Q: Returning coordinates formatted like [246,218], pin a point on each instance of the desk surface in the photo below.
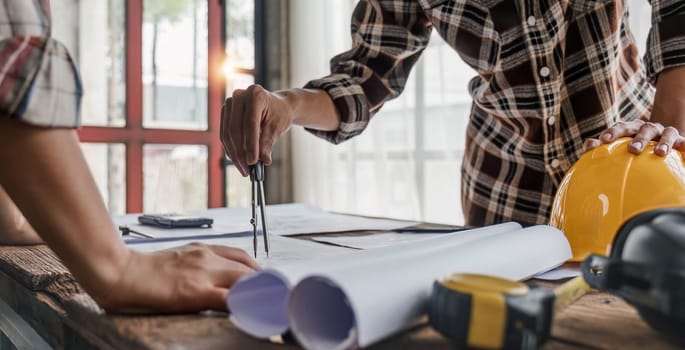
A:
[40,289]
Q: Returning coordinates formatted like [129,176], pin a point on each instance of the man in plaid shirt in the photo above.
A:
[555,78]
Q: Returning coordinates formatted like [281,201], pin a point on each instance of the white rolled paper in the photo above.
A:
[354,307]
[258,302]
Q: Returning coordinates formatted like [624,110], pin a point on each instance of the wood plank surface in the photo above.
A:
[40,289]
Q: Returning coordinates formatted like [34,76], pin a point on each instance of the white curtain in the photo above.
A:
[407,163]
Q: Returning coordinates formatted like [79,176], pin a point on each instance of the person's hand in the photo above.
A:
[190,278]
[642,132]
[668,110]
[251,122]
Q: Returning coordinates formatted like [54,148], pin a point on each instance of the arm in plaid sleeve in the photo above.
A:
[388,37]
[39,82]
[666,42]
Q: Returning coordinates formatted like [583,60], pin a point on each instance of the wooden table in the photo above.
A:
[38,287]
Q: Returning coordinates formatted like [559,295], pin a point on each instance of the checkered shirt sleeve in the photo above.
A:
[39,82]
[550,74]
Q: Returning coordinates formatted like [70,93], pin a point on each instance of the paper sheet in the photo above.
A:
[258,301]
[282,251]
[282,219]
[298,218]
[558,274]
[376,240]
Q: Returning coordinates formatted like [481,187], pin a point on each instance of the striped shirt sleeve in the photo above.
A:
[666,41]
[387,40]
[39,82]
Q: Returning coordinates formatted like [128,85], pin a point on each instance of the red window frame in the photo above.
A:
[134,136]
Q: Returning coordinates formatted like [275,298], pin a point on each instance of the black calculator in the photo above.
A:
[175,221]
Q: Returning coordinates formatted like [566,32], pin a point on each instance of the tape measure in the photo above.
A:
[495,313]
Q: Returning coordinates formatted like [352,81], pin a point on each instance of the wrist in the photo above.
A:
[98,266]
[288,101]
[669,100]
[107,283]
[312,108]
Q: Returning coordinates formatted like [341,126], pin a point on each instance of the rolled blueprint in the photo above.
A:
[355,307]
[258,302]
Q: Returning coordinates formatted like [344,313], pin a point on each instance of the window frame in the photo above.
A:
[227,163]
[134,136]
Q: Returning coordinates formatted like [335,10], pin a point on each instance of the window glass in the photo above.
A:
[99,53]
[174,178]
[442,191]
[238,189]
[238,70]
[237,81]
[240,48]
[640,22]
[175,56]
[107,163]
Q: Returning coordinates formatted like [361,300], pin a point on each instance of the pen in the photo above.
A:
[125,230]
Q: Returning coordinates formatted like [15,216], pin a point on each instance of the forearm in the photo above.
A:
[669,101]
[45,174]
[312,108]
[14,229]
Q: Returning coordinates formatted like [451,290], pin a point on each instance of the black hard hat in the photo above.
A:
[647,269]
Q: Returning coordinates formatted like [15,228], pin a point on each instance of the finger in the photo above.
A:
[235,254]
[226,273]
[620,129]
[215,299]
[224,130]
[668,137]
[679,144]
[252,122]
[647,132]
[236,131]
[222,120]
[266,143]
[591,144]
[265,150]
[223,126]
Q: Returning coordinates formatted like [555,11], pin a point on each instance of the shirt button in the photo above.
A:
[531,21]
[555,163]
[544,72]
[551,121]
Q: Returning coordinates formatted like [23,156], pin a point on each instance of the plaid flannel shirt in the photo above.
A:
[551,73]
[39,83]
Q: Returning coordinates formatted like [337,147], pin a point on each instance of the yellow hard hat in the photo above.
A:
[608,186]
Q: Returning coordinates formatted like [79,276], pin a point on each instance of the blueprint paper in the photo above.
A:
[282,219]
[298,218]
[376,240]
[283,250]
[258,301]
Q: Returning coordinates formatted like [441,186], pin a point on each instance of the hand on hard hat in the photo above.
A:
[609,185]
[642,132]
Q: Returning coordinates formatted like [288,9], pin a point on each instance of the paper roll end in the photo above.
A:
[258,304]
[312,302]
